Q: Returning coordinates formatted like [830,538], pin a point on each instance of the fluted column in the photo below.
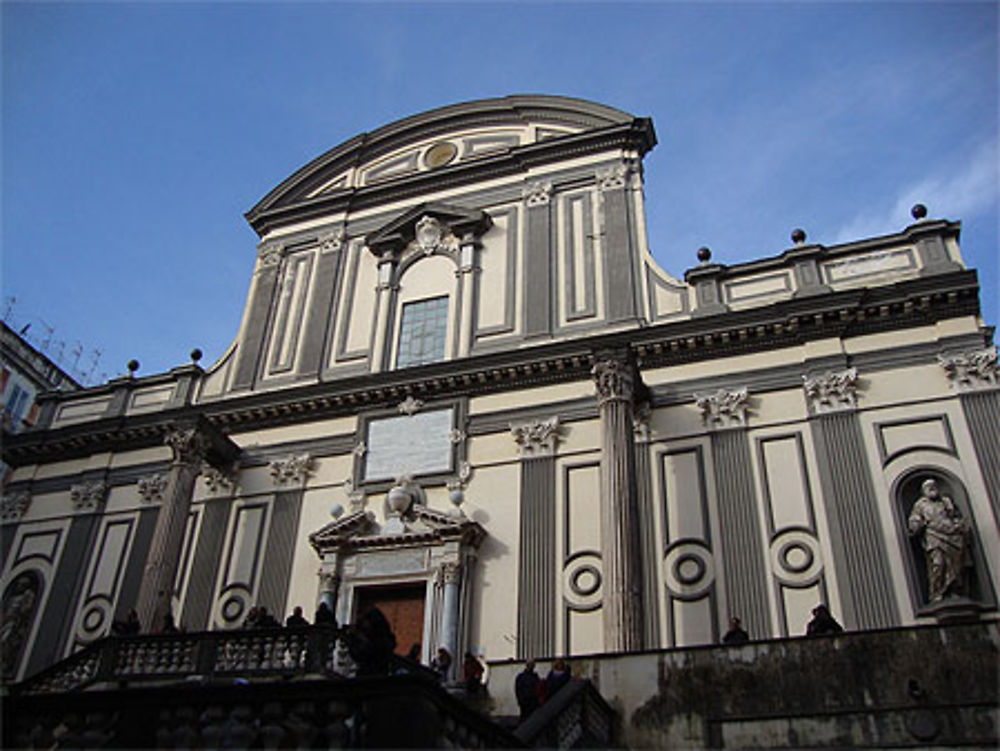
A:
[190,447]
[620,542]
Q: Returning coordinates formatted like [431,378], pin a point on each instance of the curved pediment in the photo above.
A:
[441,139]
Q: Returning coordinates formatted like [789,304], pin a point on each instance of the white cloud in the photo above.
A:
[962,193]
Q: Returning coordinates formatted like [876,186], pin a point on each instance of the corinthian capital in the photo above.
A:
[14,506]
[724,408]
[614,379]
[190,445]
[971,371]
[88,496]
[832,391]
[537,438]
[537,194]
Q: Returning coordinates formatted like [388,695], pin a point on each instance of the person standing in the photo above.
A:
[736,634]
[526,690]
[822,622]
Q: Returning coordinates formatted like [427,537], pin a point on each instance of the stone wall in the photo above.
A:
[934,685]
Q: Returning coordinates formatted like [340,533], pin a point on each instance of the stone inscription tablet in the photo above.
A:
[418,445]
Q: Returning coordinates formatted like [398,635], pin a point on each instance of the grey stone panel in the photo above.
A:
[538,272]
[866,592]
[279,552]
[57,620]
[743,555]
[648,551]
[250,349]
[128,596]
[982,412]
[205,566]
[289,319]
[536,597]
[572,307]
[934,256]
[619,283]
[320,313]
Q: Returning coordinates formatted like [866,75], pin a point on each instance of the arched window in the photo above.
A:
[422,332]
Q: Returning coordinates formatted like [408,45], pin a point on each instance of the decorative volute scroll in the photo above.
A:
[537,194]
[152,487]
[538,437]
[295,468]
[88,496]
[832,391]
[14,506]
[724,409]
[973,370]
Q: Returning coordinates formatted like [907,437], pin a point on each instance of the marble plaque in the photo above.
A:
[396,562]
[417,445]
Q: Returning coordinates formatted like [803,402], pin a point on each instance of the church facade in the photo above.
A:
[462,390]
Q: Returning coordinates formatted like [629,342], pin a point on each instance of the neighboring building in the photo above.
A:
[25,374]
[532,441]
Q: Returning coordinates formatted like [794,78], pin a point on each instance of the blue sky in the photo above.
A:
[135,135]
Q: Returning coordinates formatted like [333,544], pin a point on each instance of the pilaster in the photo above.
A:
[863,578]
[726,414]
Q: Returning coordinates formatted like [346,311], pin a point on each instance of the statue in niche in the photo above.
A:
[18,613]
[945,536]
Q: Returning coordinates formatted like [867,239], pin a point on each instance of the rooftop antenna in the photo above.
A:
[95,355]
[48,339]
[9,302]
[75,353]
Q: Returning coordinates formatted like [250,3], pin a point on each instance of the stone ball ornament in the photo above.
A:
[132,365]
[336,510]
[704,254]
[919,211]
[798,236]
[196,355]
[399,498]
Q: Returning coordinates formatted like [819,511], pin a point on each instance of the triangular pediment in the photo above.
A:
[420,526]
[395,235]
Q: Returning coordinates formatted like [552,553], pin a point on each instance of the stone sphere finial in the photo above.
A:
[704,254]
[457,497]
[919,211]
[798,236]
[133,365]
[336,510]
[195,355]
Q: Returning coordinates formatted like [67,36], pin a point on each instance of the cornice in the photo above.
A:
[916,302]
[637,134]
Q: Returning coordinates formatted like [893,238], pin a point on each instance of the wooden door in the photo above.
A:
[403,607]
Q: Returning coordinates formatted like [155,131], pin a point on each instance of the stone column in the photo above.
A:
[190,447]
[451,573]
[614,376]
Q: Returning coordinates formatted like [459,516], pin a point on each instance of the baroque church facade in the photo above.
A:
[463,390]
